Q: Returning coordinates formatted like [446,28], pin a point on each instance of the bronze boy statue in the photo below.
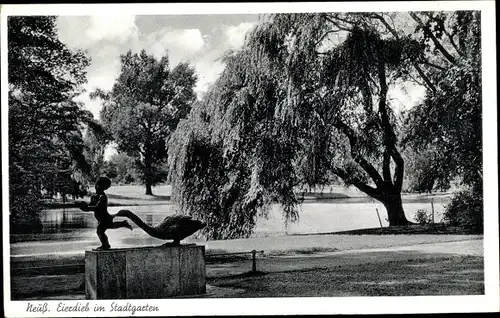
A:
[99,204]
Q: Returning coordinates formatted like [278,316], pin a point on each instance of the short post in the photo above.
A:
[379,221]
[254,263]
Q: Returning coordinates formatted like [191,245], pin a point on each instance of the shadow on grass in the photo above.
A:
[432,276]
[244,275]
[367,274]
[148,198]
[305,251]
[436,228]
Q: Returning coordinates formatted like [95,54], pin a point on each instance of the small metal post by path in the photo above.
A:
[379,221]
[254,263]
[432,208]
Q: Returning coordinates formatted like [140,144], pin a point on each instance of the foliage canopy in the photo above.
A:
[45,122]
[307,98]
[144,107]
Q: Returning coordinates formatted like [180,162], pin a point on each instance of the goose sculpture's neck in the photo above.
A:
[137,220]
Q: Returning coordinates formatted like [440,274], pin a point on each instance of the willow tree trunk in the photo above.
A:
[391,199]
[395,212]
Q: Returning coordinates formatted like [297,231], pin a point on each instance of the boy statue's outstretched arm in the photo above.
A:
[83,206]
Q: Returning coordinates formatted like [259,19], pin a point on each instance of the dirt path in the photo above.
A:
[274,244]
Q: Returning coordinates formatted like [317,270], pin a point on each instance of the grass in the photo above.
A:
[130,195]
[395,276]
[435,228]
[43,286]
[299,272]
[436,276]
[122,195]
[303,251]
[214,258]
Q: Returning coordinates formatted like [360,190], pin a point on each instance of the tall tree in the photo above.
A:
[213,161]
[306,97]
[45,140]
[144,107]
[427,170]
[449,119]
[123,167]
[293,108]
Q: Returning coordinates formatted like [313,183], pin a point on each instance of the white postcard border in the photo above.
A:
[268,306]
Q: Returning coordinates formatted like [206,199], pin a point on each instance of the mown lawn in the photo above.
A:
[134,194]
[455,275]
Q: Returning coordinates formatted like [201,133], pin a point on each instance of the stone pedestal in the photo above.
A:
[146,272]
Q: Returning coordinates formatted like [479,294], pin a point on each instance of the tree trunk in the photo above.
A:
[148,168]
[149,190]
[394,206]
[148,176]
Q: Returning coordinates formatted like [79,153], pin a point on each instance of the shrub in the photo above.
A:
[24,214]
[422,217]
[25,201]
[26,224]
[466,211]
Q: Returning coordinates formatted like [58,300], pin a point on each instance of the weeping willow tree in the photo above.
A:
[307,97]
[221,154]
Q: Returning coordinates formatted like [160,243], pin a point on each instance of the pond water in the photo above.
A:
[315,217]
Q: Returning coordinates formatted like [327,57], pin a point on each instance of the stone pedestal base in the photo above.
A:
[146,272]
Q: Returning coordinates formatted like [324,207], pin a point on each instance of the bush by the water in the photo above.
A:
[28,224]
[466,211]
[422,217]
[24,205]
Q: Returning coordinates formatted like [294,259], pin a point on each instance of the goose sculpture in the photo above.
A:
[174,227]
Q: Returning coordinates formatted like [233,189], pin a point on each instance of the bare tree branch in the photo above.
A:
[415,80]
[373,192]
[450,38]
[386,166]
[337,24]
[441,68]
[325,35]
[350,134]
[424,77]
[399,171]
[431,35]
[366,93]
[389,135]
[448,35]
[336,16]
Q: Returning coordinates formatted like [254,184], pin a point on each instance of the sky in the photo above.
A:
[198,39]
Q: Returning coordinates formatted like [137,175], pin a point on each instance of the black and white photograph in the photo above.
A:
[249,159]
